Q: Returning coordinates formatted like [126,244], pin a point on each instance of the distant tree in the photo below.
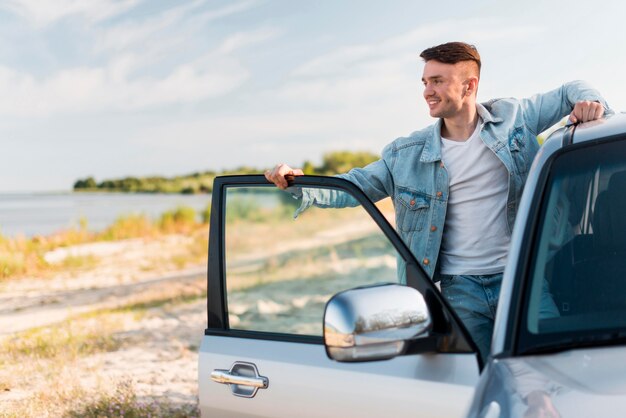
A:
[308,168]
[106,184]
[88,183]
[201,182]
[342,161]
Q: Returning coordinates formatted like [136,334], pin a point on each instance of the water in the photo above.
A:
[45,213]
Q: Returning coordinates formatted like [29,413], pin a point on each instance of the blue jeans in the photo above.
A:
[474,299]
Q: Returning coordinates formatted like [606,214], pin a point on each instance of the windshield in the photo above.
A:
[577,290]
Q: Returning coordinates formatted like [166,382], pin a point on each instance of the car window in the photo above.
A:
[281,270]
[577,283]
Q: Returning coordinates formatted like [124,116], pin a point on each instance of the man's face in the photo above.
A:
[445,88]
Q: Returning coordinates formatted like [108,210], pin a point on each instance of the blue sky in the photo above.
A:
[111,88]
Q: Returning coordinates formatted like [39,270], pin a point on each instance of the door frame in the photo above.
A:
[448,334]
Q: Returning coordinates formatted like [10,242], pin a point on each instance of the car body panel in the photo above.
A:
[601,128]
[576,383]
[303,382]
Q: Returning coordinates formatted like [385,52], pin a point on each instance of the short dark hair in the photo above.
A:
[451,53]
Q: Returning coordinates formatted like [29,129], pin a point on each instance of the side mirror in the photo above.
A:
[374,323]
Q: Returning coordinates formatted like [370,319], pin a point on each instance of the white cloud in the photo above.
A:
[179,22]
[132,34]
[239,7]
[348,58]
[94,89]
[355,97]
[246,39]
[43,13]
[144,64]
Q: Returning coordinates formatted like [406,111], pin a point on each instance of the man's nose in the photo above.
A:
[428,91]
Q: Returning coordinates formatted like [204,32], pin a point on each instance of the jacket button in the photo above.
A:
[439,194]
[425,261]
[412,202]
[433,228]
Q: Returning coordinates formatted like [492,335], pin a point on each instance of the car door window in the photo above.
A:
[578,275]
[280,270]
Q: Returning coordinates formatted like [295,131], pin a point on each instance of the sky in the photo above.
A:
[114,88]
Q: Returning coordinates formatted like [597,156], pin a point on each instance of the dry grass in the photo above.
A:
[125,403]
[21,256]
[72,401]
[39,367]
[62,342]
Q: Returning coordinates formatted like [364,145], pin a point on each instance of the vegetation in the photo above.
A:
[339,162]
[125,403]
[67,339]
[43,362]
[202,182]
[21,256]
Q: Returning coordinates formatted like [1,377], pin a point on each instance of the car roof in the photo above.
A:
[602,128]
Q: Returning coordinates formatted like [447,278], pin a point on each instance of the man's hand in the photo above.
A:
[585,111]
[540,406]
[278,173]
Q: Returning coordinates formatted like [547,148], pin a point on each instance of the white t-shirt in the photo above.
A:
[476,237]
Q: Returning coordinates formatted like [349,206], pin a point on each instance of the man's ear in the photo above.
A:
[472,85]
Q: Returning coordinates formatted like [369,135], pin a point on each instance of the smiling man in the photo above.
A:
[456,184]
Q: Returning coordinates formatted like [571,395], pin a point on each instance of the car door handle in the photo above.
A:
[243,378]
[224,376]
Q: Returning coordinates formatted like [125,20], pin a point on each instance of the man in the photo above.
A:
[464,176]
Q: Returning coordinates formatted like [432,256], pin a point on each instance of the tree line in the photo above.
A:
[202,182]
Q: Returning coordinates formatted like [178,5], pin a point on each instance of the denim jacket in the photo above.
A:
[412,173]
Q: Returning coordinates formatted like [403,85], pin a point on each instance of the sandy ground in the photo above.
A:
[158,350]
[120,275]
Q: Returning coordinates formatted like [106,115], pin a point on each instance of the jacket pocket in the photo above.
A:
[411,209]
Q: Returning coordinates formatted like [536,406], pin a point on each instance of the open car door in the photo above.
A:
[269,277]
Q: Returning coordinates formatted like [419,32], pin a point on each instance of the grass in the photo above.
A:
[90,332]
[64,341]
[79,262]
[71,401]
[123,402]
[21,256]
[139,306]
[43,362]
[248,223]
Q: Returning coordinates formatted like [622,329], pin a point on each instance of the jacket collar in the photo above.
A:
[432,147]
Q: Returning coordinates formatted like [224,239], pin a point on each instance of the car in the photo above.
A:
[328,314]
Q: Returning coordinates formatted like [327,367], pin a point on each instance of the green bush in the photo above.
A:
[206,214]
[342,161]
[129,226]
[178,219]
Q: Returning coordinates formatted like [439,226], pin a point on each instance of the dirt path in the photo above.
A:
[42,307]
[149,312]
[120,277]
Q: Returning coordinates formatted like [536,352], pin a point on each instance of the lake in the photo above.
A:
[44,213]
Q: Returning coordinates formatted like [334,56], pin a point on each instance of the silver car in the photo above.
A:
[330,315]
